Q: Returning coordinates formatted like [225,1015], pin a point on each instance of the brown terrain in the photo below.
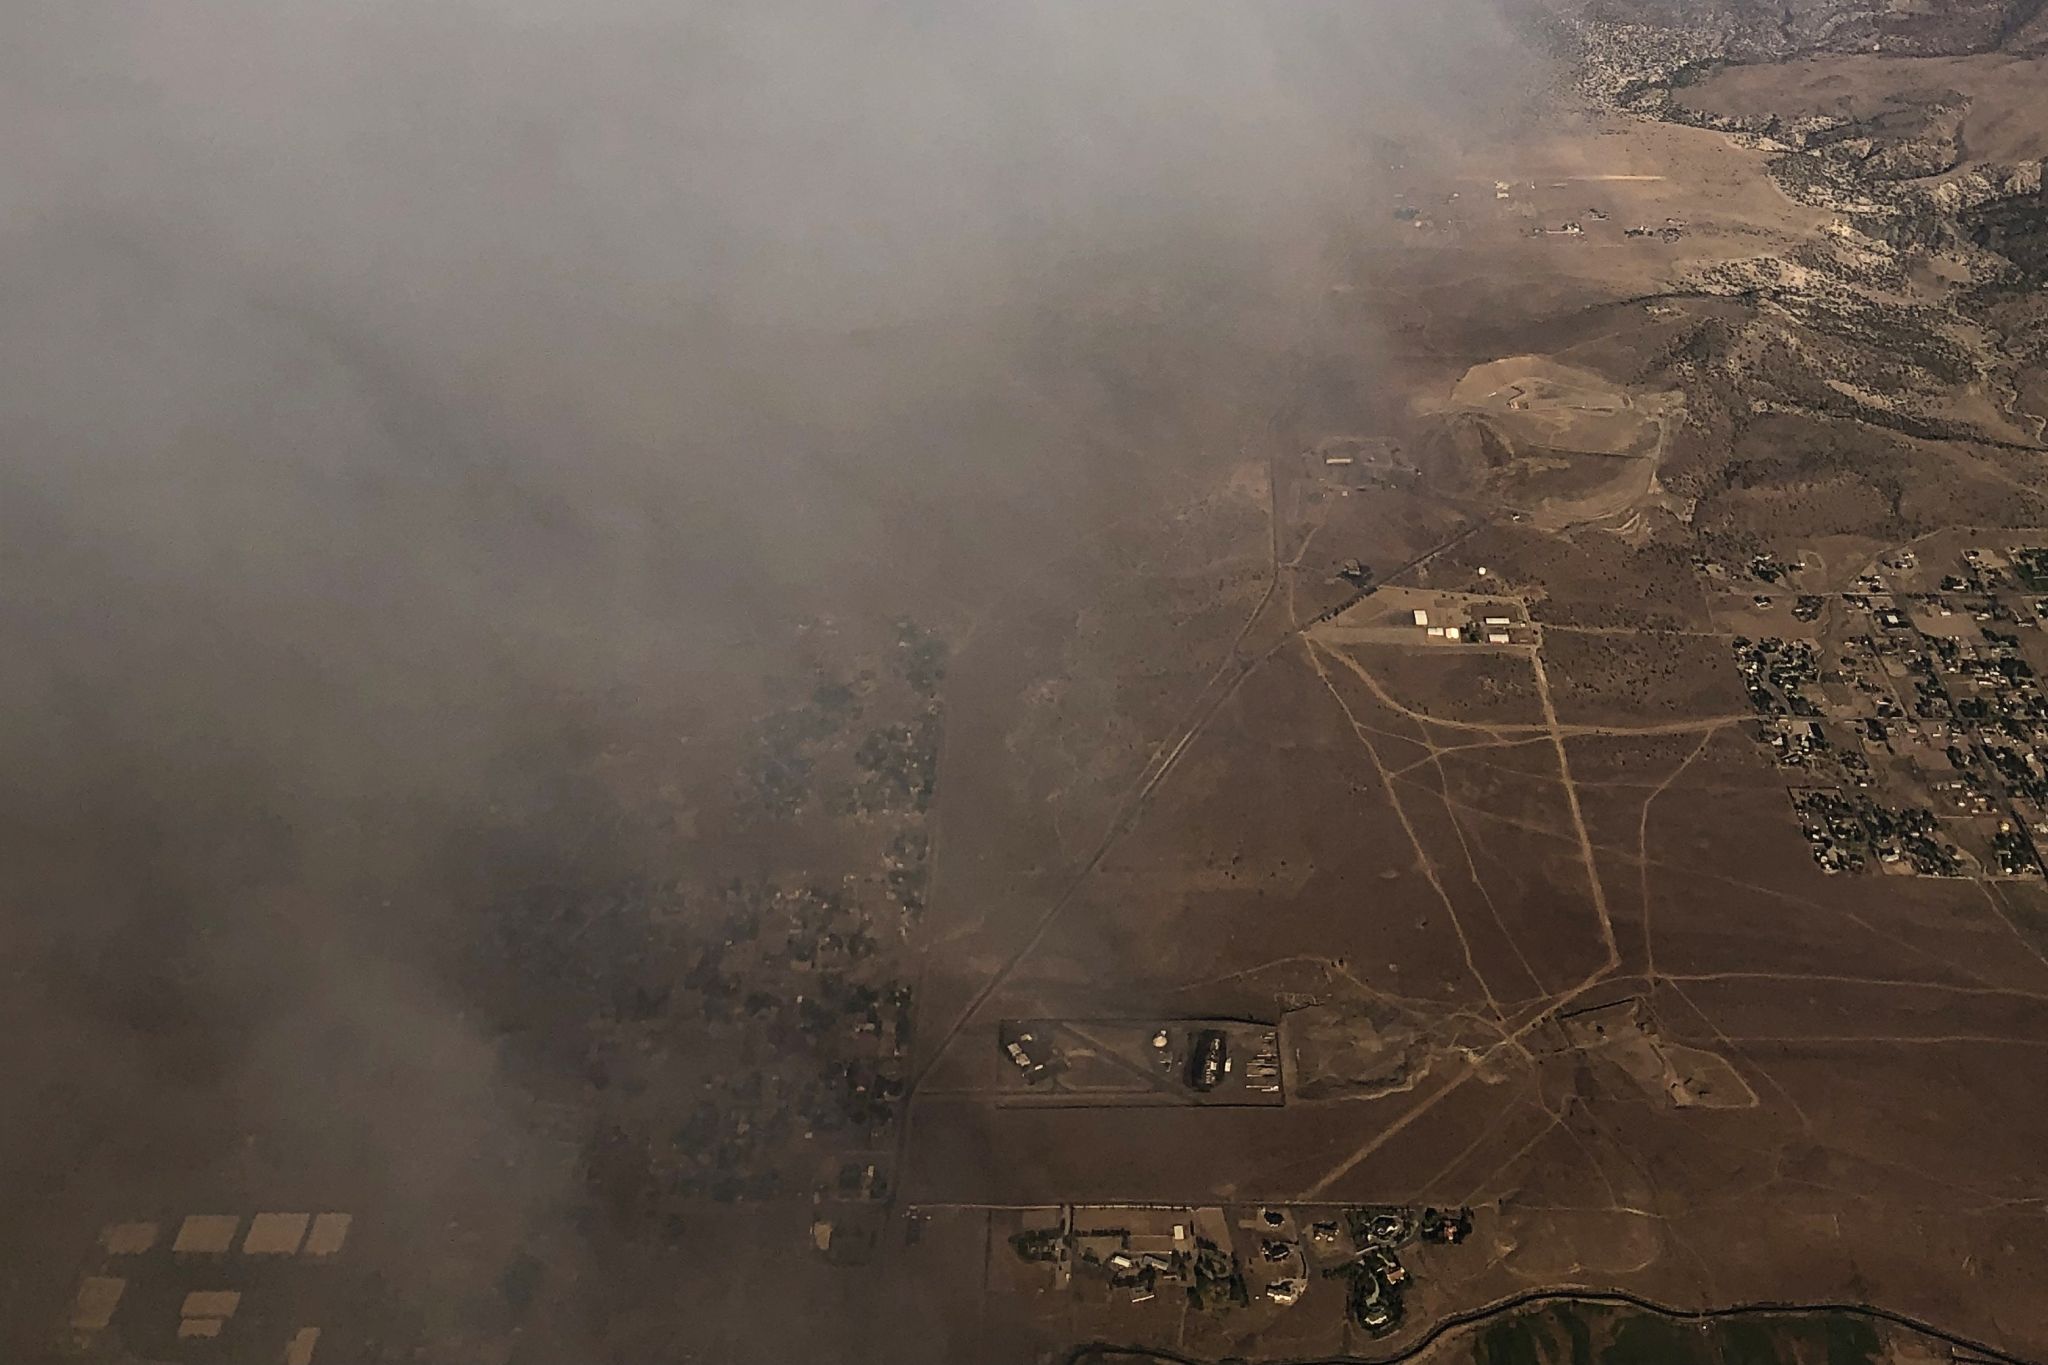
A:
[1085,689]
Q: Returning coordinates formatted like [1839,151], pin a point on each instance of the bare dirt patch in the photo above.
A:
[1560,444]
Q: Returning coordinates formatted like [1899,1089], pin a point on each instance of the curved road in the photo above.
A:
[1101,1353]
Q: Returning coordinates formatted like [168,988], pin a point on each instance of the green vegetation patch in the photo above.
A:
[1594,1334]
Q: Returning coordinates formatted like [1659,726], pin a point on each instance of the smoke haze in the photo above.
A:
[392,392]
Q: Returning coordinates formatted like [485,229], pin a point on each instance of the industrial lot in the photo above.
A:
[1198,1061]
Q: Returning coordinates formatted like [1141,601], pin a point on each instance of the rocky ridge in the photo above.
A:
[1916,311]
